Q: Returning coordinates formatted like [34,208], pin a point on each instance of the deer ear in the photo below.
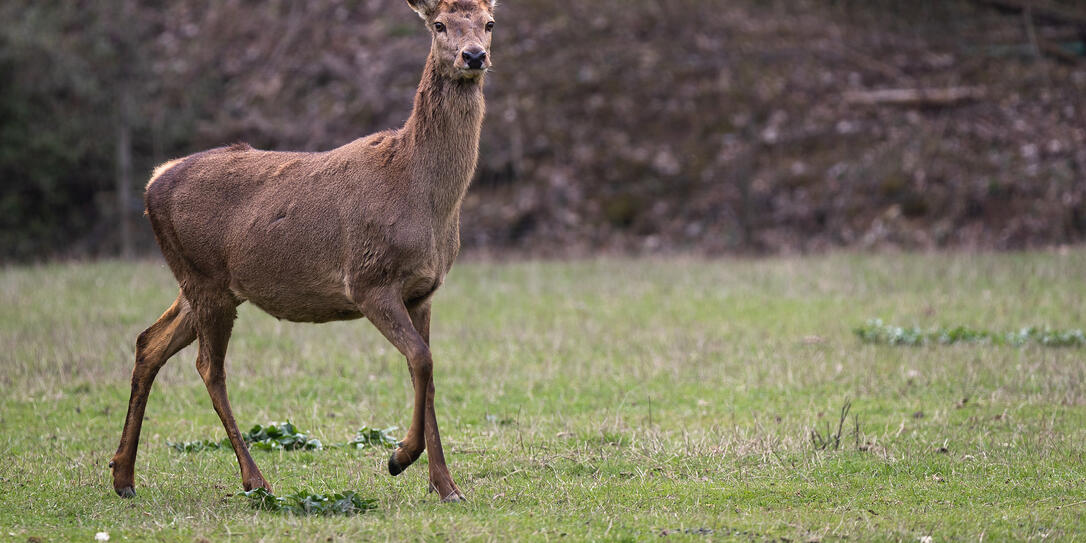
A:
[423,7]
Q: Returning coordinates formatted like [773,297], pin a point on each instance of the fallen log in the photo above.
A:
[916,97]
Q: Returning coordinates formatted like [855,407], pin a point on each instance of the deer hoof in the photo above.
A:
[126,492]
[453,497]
[257,483]
[394,467]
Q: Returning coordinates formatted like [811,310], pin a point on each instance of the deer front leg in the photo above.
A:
[441,480]
[409,332]
[412,446]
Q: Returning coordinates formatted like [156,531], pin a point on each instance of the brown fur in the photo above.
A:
[369,229]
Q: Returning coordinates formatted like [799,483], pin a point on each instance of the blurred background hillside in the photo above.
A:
[740,126]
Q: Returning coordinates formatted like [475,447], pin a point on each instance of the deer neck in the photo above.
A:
[443,131]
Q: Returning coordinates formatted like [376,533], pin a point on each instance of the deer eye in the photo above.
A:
[490,26]
[440,27]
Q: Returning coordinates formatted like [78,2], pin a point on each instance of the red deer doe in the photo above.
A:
[366,230]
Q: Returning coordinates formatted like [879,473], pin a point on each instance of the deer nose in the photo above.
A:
[474,58]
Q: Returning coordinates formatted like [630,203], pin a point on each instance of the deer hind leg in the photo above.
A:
[214,323]
[173,331]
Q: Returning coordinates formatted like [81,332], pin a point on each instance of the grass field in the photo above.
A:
[602,400]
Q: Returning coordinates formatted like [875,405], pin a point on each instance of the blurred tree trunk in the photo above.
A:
[124,39]
[124,168]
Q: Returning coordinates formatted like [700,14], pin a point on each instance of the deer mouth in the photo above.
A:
[472,73]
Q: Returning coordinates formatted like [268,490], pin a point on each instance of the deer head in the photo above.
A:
[461,32]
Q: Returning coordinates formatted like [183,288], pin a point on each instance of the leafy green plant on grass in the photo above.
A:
[285,436]
[198,445]
[876,332]
[304,503]
[375,437]
[276,436]
[272,437]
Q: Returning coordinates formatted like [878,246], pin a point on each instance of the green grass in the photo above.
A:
[601,400]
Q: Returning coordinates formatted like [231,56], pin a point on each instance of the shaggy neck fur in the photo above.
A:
[443,133]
